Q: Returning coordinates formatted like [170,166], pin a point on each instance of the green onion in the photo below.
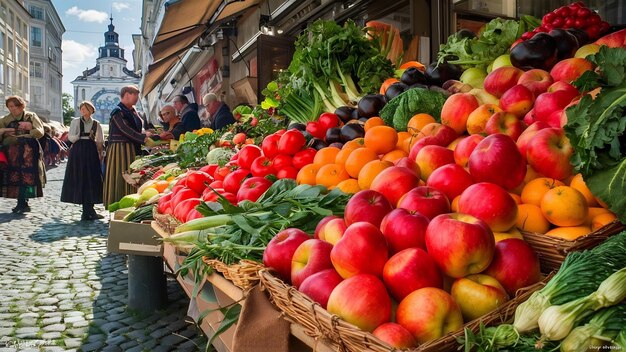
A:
[580,274]
[605,324]
[556,322]
[620,340]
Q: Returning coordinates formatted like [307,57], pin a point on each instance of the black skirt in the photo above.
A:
[83,175]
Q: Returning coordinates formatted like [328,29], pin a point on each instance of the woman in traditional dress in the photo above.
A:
[124,143]
[83,175]
[24,177]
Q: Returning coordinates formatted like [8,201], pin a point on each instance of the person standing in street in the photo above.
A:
[219,111]
[83,175]
[124,143]
[188,116]
[24,177]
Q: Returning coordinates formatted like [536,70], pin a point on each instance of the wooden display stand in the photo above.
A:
[226,294]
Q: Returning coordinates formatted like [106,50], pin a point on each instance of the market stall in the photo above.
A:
[375,204]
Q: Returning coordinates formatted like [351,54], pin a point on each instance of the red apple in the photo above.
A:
[320,285]
[549,102]
[394,182]
[456,109]
[477,120]
[514,265]
[320,225]
[410,270]
[451,179]
[361,300]
[403,229]
[490,203]
[425,200]
[395,335]
[431,157]
[478,295]
[571,91]
[367,205]
[312,256]
[501,79]
[361,250]
[527,135]
[460,244]
[569,70]
[438,135]
[333,231]
[537,80]
[518,100]
[549,153]
[505,123]
[465,147]
[429,313]
[409,164]
[496,159]
[530,117]
[280,250]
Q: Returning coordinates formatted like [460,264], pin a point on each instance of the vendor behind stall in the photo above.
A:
[172,125]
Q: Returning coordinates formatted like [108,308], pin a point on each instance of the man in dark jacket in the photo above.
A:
[219,112]
[189,116]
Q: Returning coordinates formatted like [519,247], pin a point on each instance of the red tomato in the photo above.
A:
[254,121]
[252,188]
[221,172]
[210,195]
[197,181]
[328,120]
[247,154]
[182,209]
[287,172]
[316,129]
[262,166]
[231,198]
[280,132]
[209,169]
[270,145]
[233,180]
[164,204]
[303,157]
[281,160]
[239,138]
[216,184]
[183,194]
[291,142]
[177,187]
[193,214]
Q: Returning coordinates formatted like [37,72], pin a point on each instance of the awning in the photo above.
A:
[156,73]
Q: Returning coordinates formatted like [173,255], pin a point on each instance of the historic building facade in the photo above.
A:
[102,83]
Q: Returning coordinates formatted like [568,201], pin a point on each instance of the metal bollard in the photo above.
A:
[147,286]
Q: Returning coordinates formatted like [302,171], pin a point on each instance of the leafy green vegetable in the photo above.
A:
[493,41]
[242,110]
[399,110]
[597,129]
[219,156]
[195,148]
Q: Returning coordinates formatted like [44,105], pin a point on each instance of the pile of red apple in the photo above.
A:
[441,268]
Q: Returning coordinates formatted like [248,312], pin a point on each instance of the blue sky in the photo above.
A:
[85,23]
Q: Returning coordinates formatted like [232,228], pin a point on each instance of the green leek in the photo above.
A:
[556,322]
[605,325]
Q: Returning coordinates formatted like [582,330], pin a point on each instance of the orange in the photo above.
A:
[564,206]
[395,155]
[330,175]
[326,156]
[595,211]
[370,171]
[357,159]
[417,122]
[343,154]
[349,186]
[601,220]
[531,219]
[355,143]
[161,185]
[569,233]
[381,139]
[373,121]
[307,174]
[404,140]
[534,190]
[579,184]
[386,84]
[418,65]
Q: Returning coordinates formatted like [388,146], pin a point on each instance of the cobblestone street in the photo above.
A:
[61,291]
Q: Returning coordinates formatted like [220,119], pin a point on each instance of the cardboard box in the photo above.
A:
[132,238]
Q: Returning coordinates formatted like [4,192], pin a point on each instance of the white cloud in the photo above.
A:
[88,15]
[78,55]
[119,6]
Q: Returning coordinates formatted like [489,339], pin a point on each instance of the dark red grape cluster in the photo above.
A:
[574,15]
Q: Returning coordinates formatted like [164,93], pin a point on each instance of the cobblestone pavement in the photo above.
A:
[61,291]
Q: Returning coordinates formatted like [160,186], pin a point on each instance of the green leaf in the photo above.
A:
[231,316]
[609,185]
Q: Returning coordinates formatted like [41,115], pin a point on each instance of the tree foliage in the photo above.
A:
[68,108]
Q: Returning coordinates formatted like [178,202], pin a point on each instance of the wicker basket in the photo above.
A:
[165,221]
[342,336]
[244,275]
[553,250]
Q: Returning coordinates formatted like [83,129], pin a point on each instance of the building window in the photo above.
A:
[10,48]
[36,70]
[10,80]
[35,36]
[1,42]
[38,95]
[83,94]
[36,12]
[1,74]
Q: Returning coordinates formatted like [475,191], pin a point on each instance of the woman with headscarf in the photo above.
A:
[24,177]
[83,177]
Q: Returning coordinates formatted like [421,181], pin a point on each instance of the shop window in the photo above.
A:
[273,55]
[36,70]
[35,36]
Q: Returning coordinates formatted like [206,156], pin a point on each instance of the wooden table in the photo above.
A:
[226,294]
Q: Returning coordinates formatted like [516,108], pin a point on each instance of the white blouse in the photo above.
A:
[74,132]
